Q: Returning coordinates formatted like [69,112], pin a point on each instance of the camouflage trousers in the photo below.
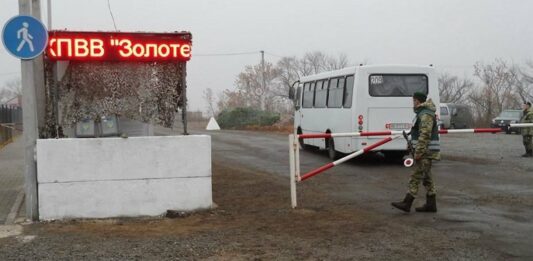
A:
[422,173]
[528,143]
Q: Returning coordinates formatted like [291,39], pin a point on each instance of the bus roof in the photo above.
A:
[453,104]
[353,69]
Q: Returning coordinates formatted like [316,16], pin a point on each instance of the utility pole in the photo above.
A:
[30,132]
[38,74]
[184,97]
[49,14]
[53,88]
[263,76]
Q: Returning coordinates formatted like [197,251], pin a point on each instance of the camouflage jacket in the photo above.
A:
[425,132]
[527,118]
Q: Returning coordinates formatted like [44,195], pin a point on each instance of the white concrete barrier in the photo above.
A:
[113,177]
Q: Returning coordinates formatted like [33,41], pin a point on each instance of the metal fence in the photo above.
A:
[10,114]
[10,122]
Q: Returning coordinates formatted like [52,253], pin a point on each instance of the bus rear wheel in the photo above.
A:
[332,153]
[395,156]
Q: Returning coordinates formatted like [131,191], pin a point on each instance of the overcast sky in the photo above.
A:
[451,34]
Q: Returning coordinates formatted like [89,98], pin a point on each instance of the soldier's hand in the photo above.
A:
[418,157]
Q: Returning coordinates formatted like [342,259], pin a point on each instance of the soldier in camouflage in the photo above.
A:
[527,133]
[425,139]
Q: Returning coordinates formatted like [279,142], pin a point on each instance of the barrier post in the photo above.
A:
[292,172]
[297,157]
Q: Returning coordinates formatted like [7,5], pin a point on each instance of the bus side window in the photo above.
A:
[336,87]
[312,89]
[348,92]
[299,96]
[321,94]
[307,96]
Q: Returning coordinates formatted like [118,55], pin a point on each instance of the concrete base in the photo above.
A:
[101,199]
[115,177]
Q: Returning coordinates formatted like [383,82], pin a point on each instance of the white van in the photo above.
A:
[455,116]
[361,98]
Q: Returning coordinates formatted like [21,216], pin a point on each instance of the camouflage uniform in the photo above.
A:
[527,133]
[425,138]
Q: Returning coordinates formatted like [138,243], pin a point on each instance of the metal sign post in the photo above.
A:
[26,38]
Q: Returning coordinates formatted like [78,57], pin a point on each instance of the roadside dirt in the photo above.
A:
[254,221]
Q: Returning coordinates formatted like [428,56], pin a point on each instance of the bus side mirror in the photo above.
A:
[292,90]
[291,93]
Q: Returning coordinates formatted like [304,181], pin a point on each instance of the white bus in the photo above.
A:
[361,98]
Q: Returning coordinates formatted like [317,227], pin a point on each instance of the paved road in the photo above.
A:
[11,176]
[485,190]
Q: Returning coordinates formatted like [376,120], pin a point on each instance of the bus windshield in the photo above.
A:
[397,85]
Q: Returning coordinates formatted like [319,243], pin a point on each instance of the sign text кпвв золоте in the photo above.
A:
[97,46]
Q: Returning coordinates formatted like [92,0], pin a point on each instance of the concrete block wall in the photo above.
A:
[115,177]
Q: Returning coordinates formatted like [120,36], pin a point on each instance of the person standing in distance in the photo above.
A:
[527,133]
[425,139]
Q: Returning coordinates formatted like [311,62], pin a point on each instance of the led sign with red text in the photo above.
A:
[104,46]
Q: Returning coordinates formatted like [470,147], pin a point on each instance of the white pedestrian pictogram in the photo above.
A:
[26,37]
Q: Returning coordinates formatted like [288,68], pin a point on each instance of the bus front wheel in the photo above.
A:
[301,141]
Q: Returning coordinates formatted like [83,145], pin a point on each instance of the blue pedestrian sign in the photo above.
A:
[24,37]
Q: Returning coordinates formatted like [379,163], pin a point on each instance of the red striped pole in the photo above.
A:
[521,125]
[317,171]
[349,134]
[481,130]
[349,157]
[388,133]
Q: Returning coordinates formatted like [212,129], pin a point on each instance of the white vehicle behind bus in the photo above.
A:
[455,116]
[361,98]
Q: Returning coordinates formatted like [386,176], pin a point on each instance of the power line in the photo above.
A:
[237,54]
[111,13]
[9,73]
[275,55]
[228,54]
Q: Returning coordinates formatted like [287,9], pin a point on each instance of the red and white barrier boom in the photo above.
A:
[521,125]
[294,149]
[389,133]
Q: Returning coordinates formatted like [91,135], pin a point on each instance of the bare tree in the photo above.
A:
[340,62]
[292,68]
[15,86]
[249,83]
[10,90]
[231,99]
[250,91]
[316,61]
[524,81]
[452,89]
[210,100]
[498,90]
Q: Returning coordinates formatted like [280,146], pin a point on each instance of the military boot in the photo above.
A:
[430,206]
[404,205]
[529,153]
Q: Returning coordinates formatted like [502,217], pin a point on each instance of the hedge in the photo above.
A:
[242,117]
